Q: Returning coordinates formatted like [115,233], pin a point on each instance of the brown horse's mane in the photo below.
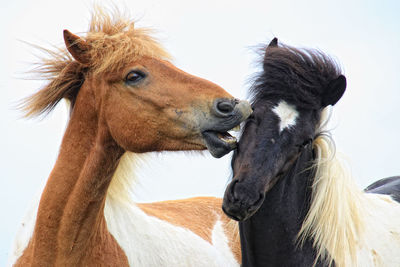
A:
[113,42]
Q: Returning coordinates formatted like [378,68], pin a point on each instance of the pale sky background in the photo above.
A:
[211,39]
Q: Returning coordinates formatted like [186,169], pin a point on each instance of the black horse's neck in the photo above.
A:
[279,219]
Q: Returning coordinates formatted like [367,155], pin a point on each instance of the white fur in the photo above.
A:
[24,232]
[379,243]
[220,242]
[287,114]
[147,241]
[348,226]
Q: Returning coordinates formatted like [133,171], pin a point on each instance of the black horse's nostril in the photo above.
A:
[232,190]
[224,107]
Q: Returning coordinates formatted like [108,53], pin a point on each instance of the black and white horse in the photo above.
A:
[297,203]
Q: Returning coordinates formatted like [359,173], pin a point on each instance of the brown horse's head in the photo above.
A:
[146,103]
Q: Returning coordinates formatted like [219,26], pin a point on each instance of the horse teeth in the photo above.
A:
[236,128]
[229,139]
[226,137]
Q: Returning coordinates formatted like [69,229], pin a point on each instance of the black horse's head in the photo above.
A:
[287,98]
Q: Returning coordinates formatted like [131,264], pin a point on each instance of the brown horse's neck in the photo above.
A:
[70,214]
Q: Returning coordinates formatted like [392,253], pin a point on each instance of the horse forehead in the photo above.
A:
[163,66]
[287,114]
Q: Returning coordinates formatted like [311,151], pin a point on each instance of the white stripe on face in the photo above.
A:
[287,115]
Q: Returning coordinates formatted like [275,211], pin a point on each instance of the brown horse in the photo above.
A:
[126,97]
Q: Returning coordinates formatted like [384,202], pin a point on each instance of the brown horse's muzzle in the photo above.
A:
[226,114]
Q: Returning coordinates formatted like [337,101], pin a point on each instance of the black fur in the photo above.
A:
[268,238]
[270,191]
[387,186]
[300,76]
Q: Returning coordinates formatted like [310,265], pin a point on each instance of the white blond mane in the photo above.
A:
[335,219]
[124,179]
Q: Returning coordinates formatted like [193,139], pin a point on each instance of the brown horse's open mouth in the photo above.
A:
[226,115]
[220,143]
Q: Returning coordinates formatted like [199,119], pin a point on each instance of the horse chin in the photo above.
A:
[219,143]
[240,214]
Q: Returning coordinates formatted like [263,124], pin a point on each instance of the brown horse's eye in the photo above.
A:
[134,77]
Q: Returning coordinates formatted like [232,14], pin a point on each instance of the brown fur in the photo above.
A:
[108,117]
[69,219]
[112,43]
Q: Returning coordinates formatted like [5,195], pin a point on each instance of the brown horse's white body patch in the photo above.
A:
[164,233]
[151,241]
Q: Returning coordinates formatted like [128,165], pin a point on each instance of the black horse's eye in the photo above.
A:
[134,77]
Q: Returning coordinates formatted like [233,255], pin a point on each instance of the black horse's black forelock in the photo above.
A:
[298,76]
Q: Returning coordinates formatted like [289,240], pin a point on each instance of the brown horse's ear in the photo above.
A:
[77,47]
[334,91]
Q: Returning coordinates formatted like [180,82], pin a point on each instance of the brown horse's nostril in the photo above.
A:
[224,107]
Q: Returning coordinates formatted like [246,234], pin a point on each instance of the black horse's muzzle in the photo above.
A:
[240,201]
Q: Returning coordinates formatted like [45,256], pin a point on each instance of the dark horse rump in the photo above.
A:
[387,186]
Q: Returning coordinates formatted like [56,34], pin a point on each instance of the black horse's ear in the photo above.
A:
[77,47]
[334,91]
[273,43]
